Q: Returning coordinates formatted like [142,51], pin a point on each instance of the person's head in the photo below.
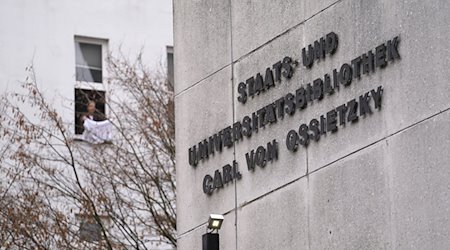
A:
[91,107]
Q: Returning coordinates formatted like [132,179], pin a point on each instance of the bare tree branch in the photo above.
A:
[127,188]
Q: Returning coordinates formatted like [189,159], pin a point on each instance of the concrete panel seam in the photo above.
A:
[259,47]
[201,80]
[233,118]
[323,167]
[341,158]
[382,139]
[203,224]
[272,191]
[286,32]
[307,202]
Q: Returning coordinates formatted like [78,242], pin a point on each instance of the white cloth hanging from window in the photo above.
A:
[97,132]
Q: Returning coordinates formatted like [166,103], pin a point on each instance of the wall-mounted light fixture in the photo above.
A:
[210,240]
[215,221]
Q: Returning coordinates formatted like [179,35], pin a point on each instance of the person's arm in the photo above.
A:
[99,117]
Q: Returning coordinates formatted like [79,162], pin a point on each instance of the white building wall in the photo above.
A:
[42,32]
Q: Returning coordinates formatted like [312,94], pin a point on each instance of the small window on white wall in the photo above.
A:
[90,87]
[90,230]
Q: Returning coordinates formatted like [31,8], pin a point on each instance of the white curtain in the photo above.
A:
[97,132]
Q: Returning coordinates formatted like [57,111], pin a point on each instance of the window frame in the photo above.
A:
[91,86]
[104,48]
[78,114]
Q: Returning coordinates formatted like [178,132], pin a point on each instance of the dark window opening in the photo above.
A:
[90,231]
[82,98]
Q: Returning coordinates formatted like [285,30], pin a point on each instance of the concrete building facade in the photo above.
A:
[313,124]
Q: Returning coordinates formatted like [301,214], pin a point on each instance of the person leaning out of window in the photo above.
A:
[97,129]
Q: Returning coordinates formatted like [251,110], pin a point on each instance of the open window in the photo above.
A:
[89,75]
[82,99]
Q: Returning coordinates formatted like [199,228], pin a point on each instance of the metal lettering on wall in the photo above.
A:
[290,103]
